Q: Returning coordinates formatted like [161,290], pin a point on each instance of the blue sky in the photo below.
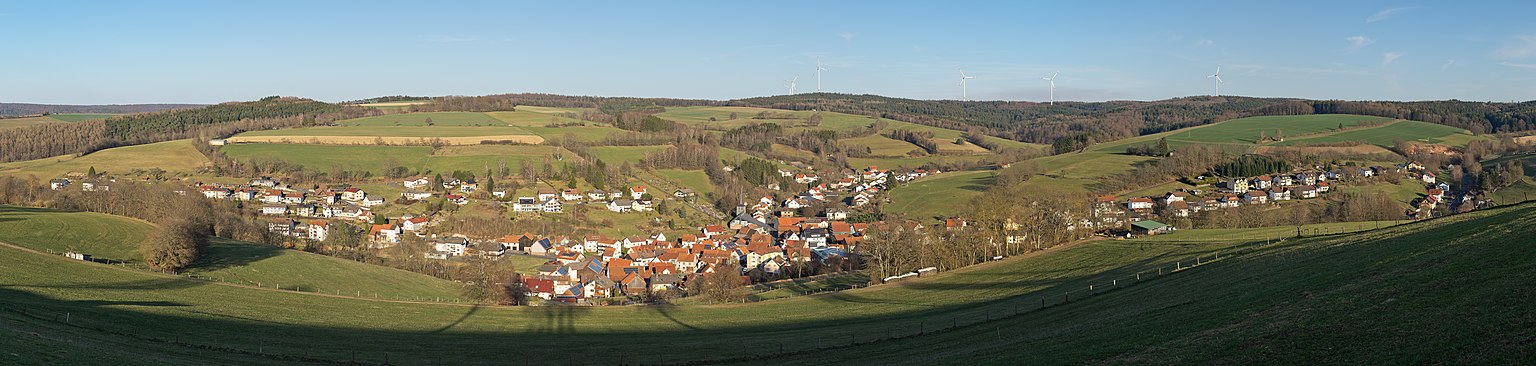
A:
[213,51]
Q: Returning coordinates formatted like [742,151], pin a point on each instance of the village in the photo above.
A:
[1138,216]
[765,238]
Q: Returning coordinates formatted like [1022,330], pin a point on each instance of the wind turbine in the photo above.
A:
[819,69]
[963,78]
[1052,79]
[1218,81]
[791,85]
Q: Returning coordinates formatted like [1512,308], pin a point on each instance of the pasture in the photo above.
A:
[1387,135]
[117,238]
[372,158]
[170,156]
[421,119]
[881,146]
[933,198]
[693,179]
[614,155]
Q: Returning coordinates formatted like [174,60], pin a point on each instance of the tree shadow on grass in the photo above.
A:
[225,254]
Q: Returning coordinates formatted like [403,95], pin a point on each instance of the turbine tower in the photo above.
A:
[791,85]
[963,78]
[1218,81]
[819,69]
[1052,79]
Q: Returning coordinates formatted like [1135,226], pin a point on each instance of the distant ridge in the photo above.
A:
[29,109]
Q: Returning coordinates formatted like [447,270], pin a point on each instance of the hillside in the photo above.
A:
[116,239]
[1444,291]
[1305,296]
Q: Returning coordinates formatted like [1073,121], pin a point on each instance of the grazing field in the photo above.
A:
[106,301]
[52,118]
[1387,135]
[700,116]
[117,238]
[933,198]
[882,146]
[1247,130]
[909,163]
[171,156]
[1267,233]
[473,158]
[614,155]
[420,119]
[693,179]
[353,135]
[77,117]
[523,118]
[1294,303]
[403,104]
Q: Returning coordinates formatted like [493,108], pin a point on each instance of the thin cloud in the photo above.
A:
[1204,42]
[1523,46]
[847,36]
[1523,66]
[453,39]
[1358,42]
[1390,57]
[1385,14]
[1448,64]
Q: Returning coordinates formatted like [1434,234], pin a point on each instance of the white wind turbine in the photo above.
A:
[791,85]
[1052,79]
[963,78]
[1218,81]
[819,69]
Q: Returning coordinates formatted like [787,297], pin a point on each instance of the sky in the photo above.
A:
[113,52]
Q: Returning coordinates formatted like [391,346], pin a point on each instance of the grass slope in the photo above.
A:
[117,238]
[1387,135]
[171,156]
[1446,291]
[108,301]
[472,158]
[420,119]
[938,196]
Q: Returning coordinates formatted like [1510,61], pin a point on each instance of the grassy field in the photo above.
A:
[830,121]
[366,134]
[171,156]
[420,119]
[938,196]
[117,238]
[614,155]
[908,163]
[1266,233]
[52,118]
[1387,135]
[472,158]
[526,118]
[882,146]
[694,179]
[1304,297]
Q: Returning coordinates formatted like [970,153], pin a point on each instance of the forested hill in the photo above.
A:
[54,139]
[28,109]
[1113,120]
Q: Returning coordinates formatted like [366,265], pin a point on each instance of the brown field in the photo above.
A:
[1526,139]
[388,140]
[1357,149]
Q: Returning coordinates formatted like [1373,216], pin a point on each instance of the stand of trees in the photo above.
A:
[923,139]
[1251,165]
[1160,148]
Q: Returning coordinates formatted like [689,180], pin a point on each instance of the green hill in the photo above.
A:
[116,238]
[1448,290]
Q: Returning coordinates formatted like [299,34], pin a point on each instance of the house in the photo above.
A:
[1254,197]
[353,194]
[318,230]
[1238,185]
[415,195]
[1306,178]
[1175,196]
[806,178]
[1285,180]
[1149,227]
[370,201]
[683,193]
[1322,187]
[596,194]
[415,223]
[1179,208]
[275,210]
[1278,194]
[551,206]
[284,227]
[453,246]
[58,184]
[500,193]
[1139,203]
[637,191]
[417,182]
[1306,191]
[540,247]
[527,204]
[384,233]
[545,195]
[469,187]
[1428,177]
[263,182]
[570,195]
[208,191]
[621,205]
[1262,182]
[837,214]
[95,186]
[456,199]
[491,248]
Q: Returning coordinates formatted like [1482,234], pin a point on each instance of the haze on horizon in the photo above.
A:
[194,52]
